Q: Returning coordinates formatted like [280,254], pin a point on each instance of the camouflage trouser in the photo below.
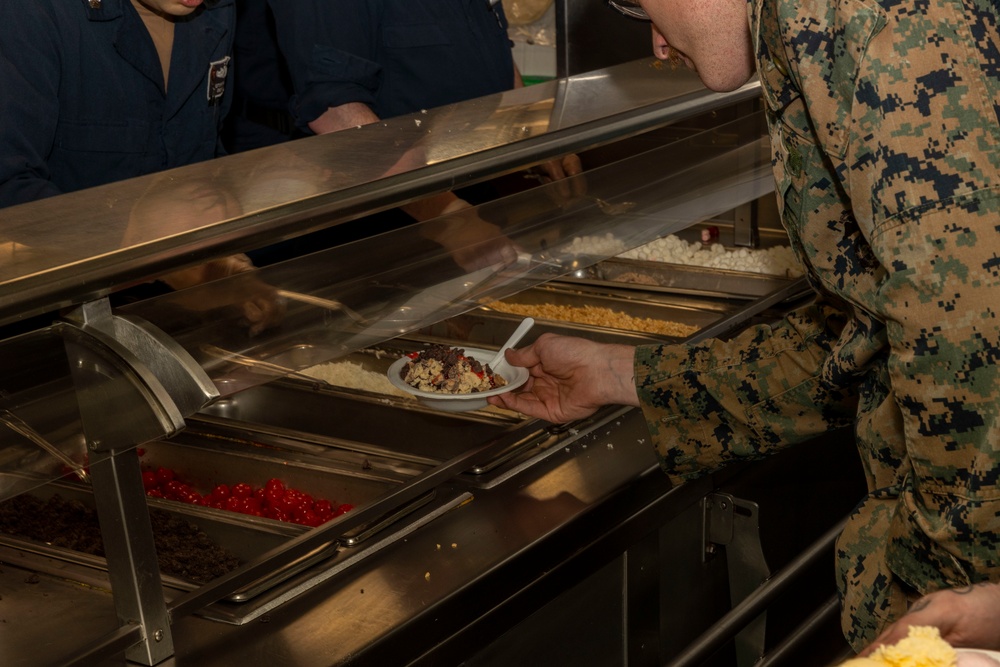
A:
[872,596]
[885,562]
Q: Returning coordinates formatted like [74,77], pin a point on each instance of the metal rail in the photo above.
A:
[744,613]
[785,651]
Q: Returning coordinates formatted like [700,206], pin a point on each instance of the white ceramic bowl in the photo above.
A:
[515,376]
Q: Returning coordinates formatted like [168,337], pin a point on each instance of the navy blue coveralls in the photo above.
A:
[83,102]
[396,56]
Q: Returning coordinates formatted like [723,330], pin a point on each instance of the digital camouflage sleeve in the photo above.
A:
[886,149]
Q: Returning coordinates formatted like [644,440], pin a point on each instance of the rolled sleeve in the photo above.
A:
[335,77]
[714,403]
[331,51]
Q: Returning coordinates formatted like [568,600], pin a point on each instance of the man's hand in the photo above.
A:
[967,618]
[207,272]
[570,378]
[257,301]
[559,171]
[345,116]
[471,242]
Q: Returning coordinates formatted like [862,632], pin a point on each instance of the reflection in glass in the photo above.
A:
[356,295]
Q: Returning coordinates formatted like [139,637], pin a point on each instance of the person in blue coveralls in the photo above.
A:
[95,91]
[327,66]
[316,66]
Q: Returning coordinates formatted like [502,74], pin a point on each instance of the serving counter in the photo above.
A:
[427,537]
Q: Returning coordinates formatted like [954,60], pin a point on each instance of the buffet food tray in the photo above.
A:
[397,433]
[361,375]
[204,463]
[679,279]
[673,278]
[691,313]
[228,530]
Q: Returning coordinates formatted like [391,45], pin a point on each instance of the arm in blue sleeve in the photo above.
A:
[29,104]
[330,47]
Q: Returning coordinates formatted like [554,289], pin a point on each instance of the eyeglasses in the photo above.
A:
[629,8]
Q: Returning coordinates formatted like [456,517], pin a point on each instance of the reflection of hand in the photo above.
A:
[335,119]
[262,308]
[560,171]
[570,378]
[530,516]
[257,301]
[967,617]
[471,242]
[211,270]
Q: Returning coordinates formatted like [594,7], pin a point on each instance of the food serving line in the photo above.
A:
[475,537]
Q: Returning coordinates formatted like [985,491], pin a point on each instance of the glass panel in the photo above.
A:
[82,245]
[60,387]
[41,437]
[352,296]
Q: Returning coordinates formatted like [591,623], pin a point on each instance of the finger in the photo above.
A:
[252,312]
[555,170]
[508,254]
[503,401]
[563,188]
[254,315]
[525,403]
[574,168]
[525,357]
[572,165]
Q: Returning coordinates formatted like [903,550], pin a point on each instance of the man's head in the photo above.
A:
[710,36]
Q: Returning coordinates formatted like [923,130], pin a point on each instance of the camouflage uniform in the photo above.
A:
[886,141]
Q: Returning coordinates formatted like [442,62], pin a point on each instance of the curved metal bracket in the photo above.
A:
[133,384]
[176,371]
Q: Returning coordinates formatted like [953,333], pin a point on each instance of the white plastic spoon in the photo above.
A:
[514,339]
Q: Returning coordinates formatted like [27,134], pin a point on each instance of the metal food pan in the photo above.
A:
[695,313]
[679,279]
[244,539]
[691,280]
[394,429]
[205,462]
[372,363]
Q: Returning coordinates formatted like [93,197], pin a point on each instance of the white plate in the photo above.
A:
[516,377]
[979,651]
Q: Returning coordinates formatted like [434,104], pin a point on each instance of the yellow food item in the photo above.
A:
[597,316]
[922,647]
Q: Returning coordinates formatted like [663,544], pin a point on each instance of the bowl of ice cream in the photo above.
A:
[454,379]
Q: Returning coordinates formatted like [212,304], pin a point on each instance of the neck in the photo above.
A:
[142,5]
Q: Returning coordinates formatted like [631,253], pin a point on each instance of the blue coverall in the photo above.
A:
[82,99]
[396,56]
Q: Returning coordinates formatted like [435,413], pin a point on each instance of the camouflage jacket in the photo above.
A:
[886,152]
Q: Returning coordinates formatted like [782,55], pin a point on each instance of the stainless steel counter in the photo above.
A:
[593,518]
[577,525]
[406,581]
[501,550]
